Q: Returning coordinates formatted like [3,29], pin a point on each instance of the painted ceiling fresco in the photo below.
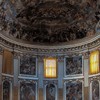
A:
[49,21]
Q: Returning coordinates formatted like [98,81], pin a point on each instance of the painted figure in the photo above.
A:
[6,90]
[28,65]
[50,92]
[74,91]
[95,90]
[27,91]
[73,65]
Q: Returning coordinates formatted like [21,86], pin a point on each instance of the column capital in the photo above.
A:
[86,55]
[1,50]
[16,55]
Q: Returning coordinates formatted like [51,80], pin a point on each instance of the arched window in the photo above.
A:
[94,62]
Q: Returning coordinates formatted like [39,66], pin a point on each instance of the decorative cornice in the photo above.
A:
[7,78]
[86,55]
[27,80]
[73,80]
[94,78]
[1,50]
[93,42]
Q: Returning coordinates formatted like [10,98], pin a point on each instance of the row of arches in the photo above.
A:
[28,90]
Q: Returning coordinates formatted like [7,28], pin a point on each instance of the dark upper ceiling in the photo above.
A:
[49,21]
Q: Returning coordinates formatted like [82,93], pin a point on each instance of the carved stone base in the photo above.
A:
[15,93]
[40,94]
[60,94]
[86,93]
[0,92]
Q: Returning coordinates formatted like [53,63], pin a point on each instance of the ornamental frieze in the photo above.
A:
[63,49]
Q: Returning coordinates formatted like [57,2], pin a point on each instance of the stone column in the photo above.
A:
[1,1]
[60,94]
[99,90]
[1,60]
[16,71]
[15,93]
[40,76]
[86,74]
[40,71]
[40,94]
[60,74]
[0,91]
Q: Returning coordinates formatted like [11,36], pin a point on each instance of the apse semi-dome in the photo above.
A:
[49,21]
[49,49]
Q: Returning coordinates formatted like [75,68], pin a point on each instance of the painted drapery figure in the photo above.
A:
[95,90]
[27,91]
[6,90]
[28,65]
[74,91]
[50,92]
[73,65]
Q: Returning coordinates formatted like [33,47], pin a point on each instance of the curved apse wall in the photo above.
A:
[22,65]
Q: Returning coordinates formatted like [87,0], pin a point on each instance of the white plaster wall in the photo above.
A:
[1,68]
[60,73]
[40,73]
[86,70]
[0,1]
[16,69]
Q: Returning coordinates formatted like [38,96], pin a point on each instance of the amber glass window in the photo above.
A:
[94,62]
[50,68]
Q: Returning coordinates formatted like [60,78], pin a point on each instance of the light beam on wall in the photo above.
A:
[94,62]
[50,70]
